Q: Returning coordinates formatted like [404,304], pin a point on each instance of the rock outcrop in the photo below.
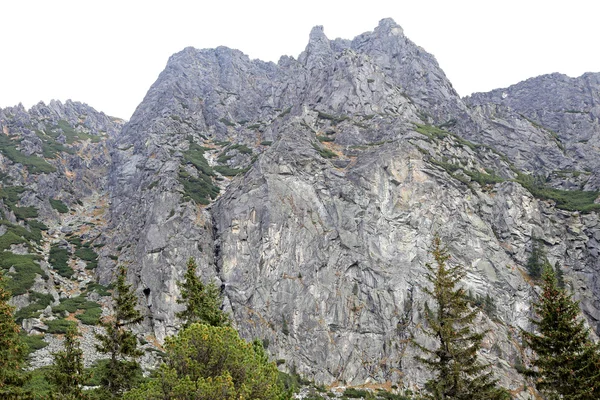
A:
[310,190]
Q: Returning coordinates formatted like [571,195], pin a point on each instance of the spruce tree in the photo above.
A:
[457,372]
[202,301]
[68,374]
[12,351]
[121,371]
[566,364]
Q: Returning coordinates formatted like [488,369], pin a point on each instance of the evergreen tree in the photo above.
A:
[68,375]
[212,363]
[537,259]
[560,276]
[202,302]
[122,370]
[458,375]
[12,351]
[566,362]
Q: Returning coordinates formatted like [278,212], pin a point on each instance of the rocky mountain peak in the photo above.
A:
[310,191]
[388,26]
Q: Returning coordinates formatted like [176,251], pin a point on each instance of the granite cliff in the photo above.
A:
[310,190]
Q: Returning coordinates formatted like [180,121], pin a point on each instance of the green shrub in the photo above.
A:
[354,393]
[198,189]
[8,239]
[59,259]
[23,213]
[89,256]
[33,342]
[38,301]
[26,268]
[227,171]
[98,288]
[34,164]
[38,385]
[323,152]
[73,304]
[266,142]
[59,206]
[571,200]
[59,325]
[91,316]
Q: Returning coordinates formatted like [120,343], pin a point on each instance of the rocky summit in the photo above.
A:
[310,191]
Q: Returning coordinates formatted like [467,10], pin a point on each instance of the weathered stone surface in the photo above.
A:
[332,182]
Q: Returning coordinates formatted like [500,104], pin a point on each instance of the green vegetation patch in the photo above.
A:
[88,255]
[570,200]
[70,133]
[59,206]
[431,131]
[98,288]
[199,189]
[91,316]
[333,118]
[59,260]
[73,304]
[59,325]
[16,234]
[39,301]
[33,342]
[25,267]
[227,171]
[11,196]
[325,153]
[34,164]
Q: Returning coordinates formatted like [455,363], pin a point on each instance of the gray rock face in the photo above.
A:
[567,109]
[311,189]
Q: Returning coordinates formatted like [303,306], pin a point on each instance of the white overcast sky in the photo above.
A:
[108,53]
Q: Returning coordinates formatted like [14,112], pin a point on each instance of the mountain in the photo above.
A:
[310,190]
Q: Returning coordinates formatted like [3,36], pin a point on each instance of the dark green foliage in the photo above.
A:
[195,156]
[38,385]
[16,233]
[571,200]
[431,131]
[209,362]
[38,301]
[70,133]
[59,206]
[60,325]
[227,171]
[33,342]
[59,259]
[335,119]
[458,374]
[202,301]
[566,362]
[89,256]
[323,152]
[10,238]
[51,147]
[98,288]
[119,343]
[199,189]
[285,112]
[354,393]
[325,138]
[67,374]
[227,122]
[537,260]
[266,143]
[24,213]
[560,276]
[91,316]
[12,350]
[34,164]
[26,268]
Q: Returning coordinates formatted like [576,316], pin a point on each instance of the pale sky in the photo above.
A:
[108,53]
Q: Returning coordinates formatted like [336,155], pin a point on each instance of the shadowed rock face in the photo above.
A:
[311,189]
